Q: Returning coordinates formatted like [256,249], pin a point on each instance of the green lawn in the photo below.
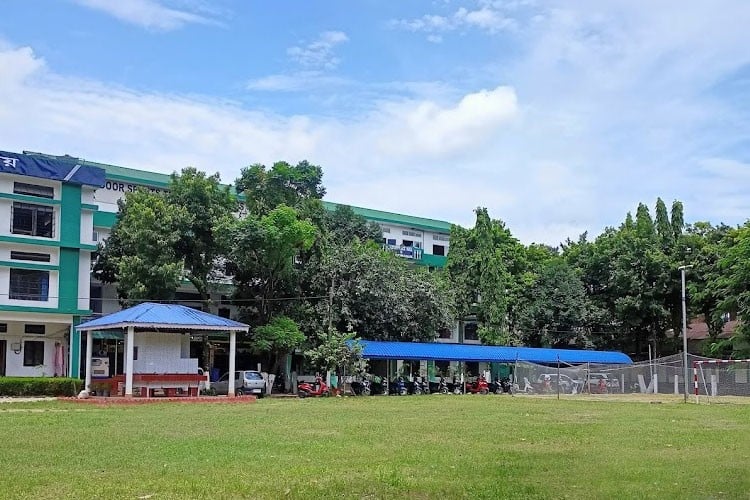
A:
[377,447]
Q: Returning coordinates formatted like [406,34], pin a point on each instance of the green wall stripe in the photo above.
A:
[44,242]
[68,279]
[49,310]
[37,200]
[35,266]
[70,216]
[105,219]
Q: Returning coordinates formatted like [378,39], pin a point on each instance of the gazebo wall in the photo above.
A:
[163,353]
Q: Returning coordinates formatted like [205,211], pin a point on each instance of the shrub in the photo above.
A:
[39,386]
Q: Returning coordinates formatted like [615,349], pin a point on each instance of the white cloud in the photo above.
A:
[295,82]
[150,14]
[425,128]
[489,18]
[318,54]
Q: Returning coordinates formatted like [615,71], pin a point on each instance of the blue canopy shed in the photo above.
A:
[434,351]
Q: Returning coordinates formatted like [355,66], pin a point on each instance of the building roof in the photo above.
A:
[163,316]
[395,218]
[499,354]
[65,168]
[698,330]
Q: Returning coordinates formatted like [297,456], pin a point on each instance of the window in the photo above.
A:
[440,237]
[407,243]
[29,285]
[391,241]
[33,353]
[444,333]
[412,233]
[224,312]
[33,190]
[438,250]
[32,220]
[32,256]
[470,331]
[95,299]
[385,229]
[33,329]
[3,327]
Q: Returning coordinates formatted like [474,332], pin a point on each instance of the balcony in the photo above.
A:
[413,253]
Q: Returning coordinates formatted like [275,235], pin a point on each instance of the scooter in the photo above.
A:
[363,388]
[399,388]
[480,386]
[500,386]
[319,388]
[425,385]
[443,386]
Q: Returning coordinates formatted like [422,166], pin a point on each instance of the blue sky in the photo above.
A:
[558,116]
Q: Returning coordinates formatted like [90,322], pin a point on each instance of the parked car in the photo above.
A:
[566,383]
[245,382]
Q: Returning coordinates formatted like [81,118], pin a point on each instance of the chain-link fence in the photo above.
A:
[660,376]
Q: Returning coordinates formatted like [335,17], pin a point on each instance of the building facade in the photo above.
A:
[59,208]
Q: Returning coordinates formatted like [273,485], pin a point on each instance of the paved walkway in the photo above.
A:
[14,399]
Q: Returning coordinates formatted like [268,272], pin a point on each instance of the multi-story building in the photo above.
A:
[47,209]
[59,208]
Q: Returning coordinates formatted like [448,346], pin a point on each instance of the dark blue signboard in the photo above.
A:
[67,170]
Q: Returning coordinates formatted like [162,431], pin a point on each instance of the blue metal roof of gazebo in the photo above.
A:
[163,316]
[434,351]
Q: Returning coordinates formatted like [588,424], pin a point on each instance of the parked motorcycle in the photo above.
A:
[500,386]
[443,386]
[319,388]
[363,388]
[398,387]
[479,386]
[425,385]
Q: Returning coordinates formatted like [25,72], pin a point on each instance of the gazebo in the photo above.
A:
[160,326]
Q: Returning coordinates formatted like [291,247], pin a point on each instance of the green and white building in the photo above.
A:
[58,209]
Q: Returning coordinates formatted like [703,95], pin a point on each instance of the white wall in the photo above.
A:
[84,279]
[14,362]
[425,239]
[87,227]
[162,353]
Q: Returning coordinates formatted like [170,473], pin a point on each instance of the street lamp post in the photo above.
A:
[682,270]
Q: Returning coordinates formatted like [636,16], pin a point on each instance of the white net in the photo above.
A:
[717,378]
[660,376]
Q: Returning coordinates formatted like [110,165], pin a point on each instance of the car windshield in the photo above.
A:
[253,376]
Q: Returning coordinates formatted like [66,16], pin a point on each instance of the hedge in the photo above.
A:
[39,386]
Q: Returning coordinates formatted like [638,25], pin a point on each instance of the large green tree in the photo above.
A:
[734,285]
[141,253]
[487,270]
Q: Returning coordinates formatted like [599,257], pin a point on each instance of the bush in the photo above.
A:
[39,386]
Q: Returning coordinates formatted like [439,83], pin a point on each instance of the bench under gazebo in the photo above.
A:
[158,335]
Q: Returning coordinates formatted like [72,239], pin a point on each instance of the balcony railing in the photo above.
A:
[404,251]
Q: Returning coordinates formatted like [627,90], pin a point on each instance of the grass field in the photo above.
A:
[378,447]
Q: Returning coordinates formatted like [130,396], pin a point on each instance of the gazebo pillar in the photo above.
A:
[129,362]
[232,349]
[89,354]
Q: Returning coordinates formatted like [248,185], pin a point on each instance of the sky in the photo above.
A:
[559,117]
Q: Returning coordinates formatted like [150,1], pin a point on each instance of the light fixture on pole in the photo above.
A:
[682,270]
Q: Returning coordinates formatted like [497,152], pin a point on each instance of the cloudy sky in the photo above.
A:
[558,116]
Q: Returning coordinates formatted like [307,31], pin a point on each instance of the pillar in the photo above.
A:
[232,349]
[89,354]
[129,349]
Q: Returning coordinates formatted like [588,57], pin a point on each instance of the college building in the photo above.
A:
[58,208]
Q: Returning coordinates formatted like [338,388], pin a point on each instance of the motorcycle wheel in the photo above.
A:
[365,392]
[326,394]
[302,394]
[484,391]
[403,392]
[444,390]
[239,392]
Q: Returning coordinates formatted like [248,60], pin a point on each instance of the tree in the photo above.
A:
[283,184]
[208,204]
[140,254]
[486,267]
[342,225]
[336,351]
[378,295]
[260,258]
[280,336]
[734,283]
